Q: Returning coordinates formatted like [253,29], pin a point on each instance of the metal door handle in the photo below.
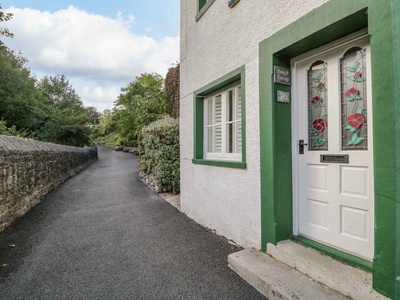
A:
[301,146]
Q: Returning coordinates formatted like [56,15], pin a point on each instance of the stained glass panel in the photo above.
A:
[354,100]
[317,107]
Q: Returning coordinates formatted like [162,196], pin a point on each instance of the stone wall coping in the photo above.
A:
[13,144]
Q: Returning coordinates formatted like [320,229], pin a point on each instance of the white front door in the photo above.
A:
[333,170]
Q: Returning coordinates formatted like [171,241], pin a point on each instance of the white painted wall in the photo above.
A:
[224,199]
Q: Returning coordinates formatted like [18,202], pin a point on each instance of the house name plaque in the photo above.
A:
[282,75]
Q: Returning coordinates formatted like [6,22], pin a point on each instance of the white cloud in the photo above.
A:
[93,51]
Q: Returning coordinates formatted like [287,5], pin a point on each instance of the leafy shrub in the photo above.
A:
[108,140]
[159,153]
[132,143]
[23,133]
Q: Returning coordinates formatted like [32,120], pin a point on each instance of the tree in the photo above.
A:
[3,18]
[172,90]
[107,122]
[61,93]
[21,103]
[93,114]
[140,103]
[67,119]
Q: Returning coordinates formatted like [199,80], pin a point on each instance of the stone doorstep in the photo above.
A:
[348,280]
[275,280]
[280,274]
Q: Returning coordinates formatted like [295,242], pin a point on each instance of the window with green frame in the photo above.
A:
[219,122]
[202,6]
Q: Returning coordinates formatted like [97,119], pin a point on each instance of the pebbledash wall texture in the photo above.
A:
[31,169]
[227,199]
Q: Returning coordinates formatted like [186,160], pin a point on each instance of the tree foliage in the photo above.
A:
[22,103]
[140,103]
[67,118]
[172,86]
[3,18]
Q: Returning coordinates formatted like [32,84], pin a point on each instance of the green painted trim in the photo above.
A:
[218,163]
[396,81]
[336,254]
[198,134]
[329,22]
[218,84]
[317,28]
[202,8]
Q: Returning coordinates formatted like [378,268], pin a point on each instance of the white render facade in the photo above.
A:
[320,168]
[224,39]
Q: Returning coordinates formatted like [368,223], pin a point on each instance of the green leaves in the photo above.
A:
[318,78]
[355,140]
[160,152]
[351,128]
[3,18]
[319,142]
[140,103]
[354,68]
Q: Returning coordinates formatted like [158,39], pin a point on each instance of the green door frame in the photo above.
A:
[331,21]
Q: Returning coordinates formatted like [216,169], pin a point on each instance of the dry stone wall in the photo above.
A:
[31,169]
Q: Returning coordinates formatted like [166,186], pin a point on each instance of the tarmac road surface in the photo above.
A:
[105,235]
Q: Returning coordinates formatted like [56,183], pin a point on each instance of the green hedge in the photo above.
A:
[159,153]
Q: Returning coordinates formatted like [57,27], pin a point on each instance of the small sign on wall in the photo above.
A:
[282,75]
[283,97]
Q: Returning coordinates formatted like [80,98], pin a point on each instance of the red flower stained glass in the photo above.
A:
[355,120]
[317,101]
[352,94]
[319,124]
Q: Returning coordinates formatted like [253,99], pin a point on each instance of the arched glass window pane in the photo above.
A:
[317,107]
[354,100]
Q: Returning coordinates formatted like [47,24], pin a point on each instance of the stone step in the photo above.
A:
[275,279]
[349,281]
[293,271]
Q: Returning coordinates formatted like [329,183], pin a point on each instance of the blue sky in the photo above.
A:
[99,45]
[161,16]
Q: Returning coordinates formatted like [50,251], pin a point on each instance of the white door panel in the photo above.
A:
[333,113]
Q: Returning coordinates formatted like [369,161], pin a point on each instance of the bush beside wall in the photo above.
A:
[31,169]
[159,154]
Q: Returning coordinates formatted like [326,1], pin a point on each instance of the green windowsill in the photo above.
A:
[336,254]
[204,9]
[219,163]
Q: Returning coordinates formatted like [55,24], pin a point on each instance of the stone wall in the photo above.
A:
[31,169]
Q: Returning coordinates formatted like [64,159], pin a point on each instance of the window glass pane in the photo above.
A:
[354,100]
[317,107]
[230,137]
[209,105]
[222,131]
[230,106]
[202,3]
[209,139]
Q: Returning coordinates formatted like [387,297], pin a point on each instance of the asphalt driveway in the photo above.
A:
[105,235]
